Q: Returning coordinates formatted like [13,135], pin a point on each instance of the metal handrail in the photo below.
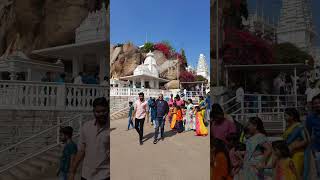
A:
[230,100]
[34,154]
[115,107]
[38,134]
[119,111]
[31,155]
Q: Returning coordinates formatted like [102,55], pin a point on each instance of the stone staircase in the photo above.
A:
[42,167]
[34,167]
[120,114]
[24,158]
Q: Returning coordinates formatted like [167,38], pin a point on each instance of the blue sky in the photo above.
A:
[184,23]
[272,9]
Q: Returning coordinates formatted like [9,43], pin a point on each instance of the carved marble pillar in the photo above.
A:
[29,75]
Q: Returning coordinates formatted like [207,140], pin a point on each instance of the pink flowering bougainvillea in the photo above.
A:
[163,48]
[186,76]
[179,57]
[242,47]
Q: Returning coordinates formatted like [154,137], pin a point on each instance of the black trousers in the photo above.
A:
[139,127]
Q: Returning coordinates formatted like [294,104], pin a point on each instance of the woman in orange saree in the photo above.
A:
[220,162]
[179,120]
[201,129]
[174,118]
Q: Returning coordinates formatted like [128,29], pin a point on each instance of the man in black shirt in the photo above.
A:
[162,112]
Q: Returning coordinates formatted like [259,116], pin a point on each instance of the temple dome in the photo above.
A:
[150,60]
[149,67]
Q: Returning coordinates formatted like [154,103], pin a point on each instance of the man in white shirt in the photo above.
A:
[239,94]
[94,145]
[311,92]
[141,111]
[78,79]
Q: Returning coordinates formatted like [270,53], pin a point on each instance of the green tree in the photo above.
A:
[148,46]
[285,53]
[200,78]
[169,45]
[184,57]
[183,54]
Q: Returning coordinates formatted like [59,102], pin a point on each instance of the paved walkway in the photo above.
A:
[179,157]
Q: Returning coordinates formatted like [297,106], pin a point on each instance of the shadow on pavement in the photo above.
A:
[148,136]
[111,129]
[169,133]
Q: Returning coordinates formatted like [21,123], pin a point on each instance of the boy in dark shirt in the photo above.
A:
[130,122]
[68,154]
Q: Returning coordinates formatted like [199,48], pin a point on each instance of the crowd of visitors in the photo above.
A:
[246,151]
[182,115]
[81,78]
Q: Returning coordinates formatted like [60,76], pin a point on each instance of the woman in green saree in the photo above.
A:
[258,150]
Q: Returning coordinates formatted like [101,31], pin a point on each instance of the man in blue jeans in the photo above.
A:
[130,122]
[313,127]
[162,111]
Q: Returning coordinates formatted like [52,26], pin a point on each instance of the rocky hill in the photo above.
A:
[125,58]
[42,23]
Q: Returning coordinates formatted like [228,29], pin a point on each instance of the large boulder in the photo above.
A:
[160,57]
[114,54]
[174,84]
[131,63]
[61,19]
[125,64]
[126,58]
[171,75]
[40,23]
[129,48]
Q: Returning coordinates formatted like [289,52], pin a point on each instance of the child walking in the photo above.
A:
[220,161]
[68,154]
[179,119]
[236,154]
[130,122]
[282,163]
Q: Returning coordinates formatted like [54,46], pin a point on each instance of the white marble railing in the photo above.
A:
[133,92]
[194,94]
[22,95]
[136,91]
[48,96]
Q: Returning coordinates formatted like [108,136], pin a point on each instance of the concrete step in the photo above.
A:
[18,173]
[7,176]
[52,160]
[28,170]
[54,153]
[40,163]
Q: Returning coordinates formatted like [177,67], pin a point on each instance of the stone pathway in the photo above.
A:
[179,157]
